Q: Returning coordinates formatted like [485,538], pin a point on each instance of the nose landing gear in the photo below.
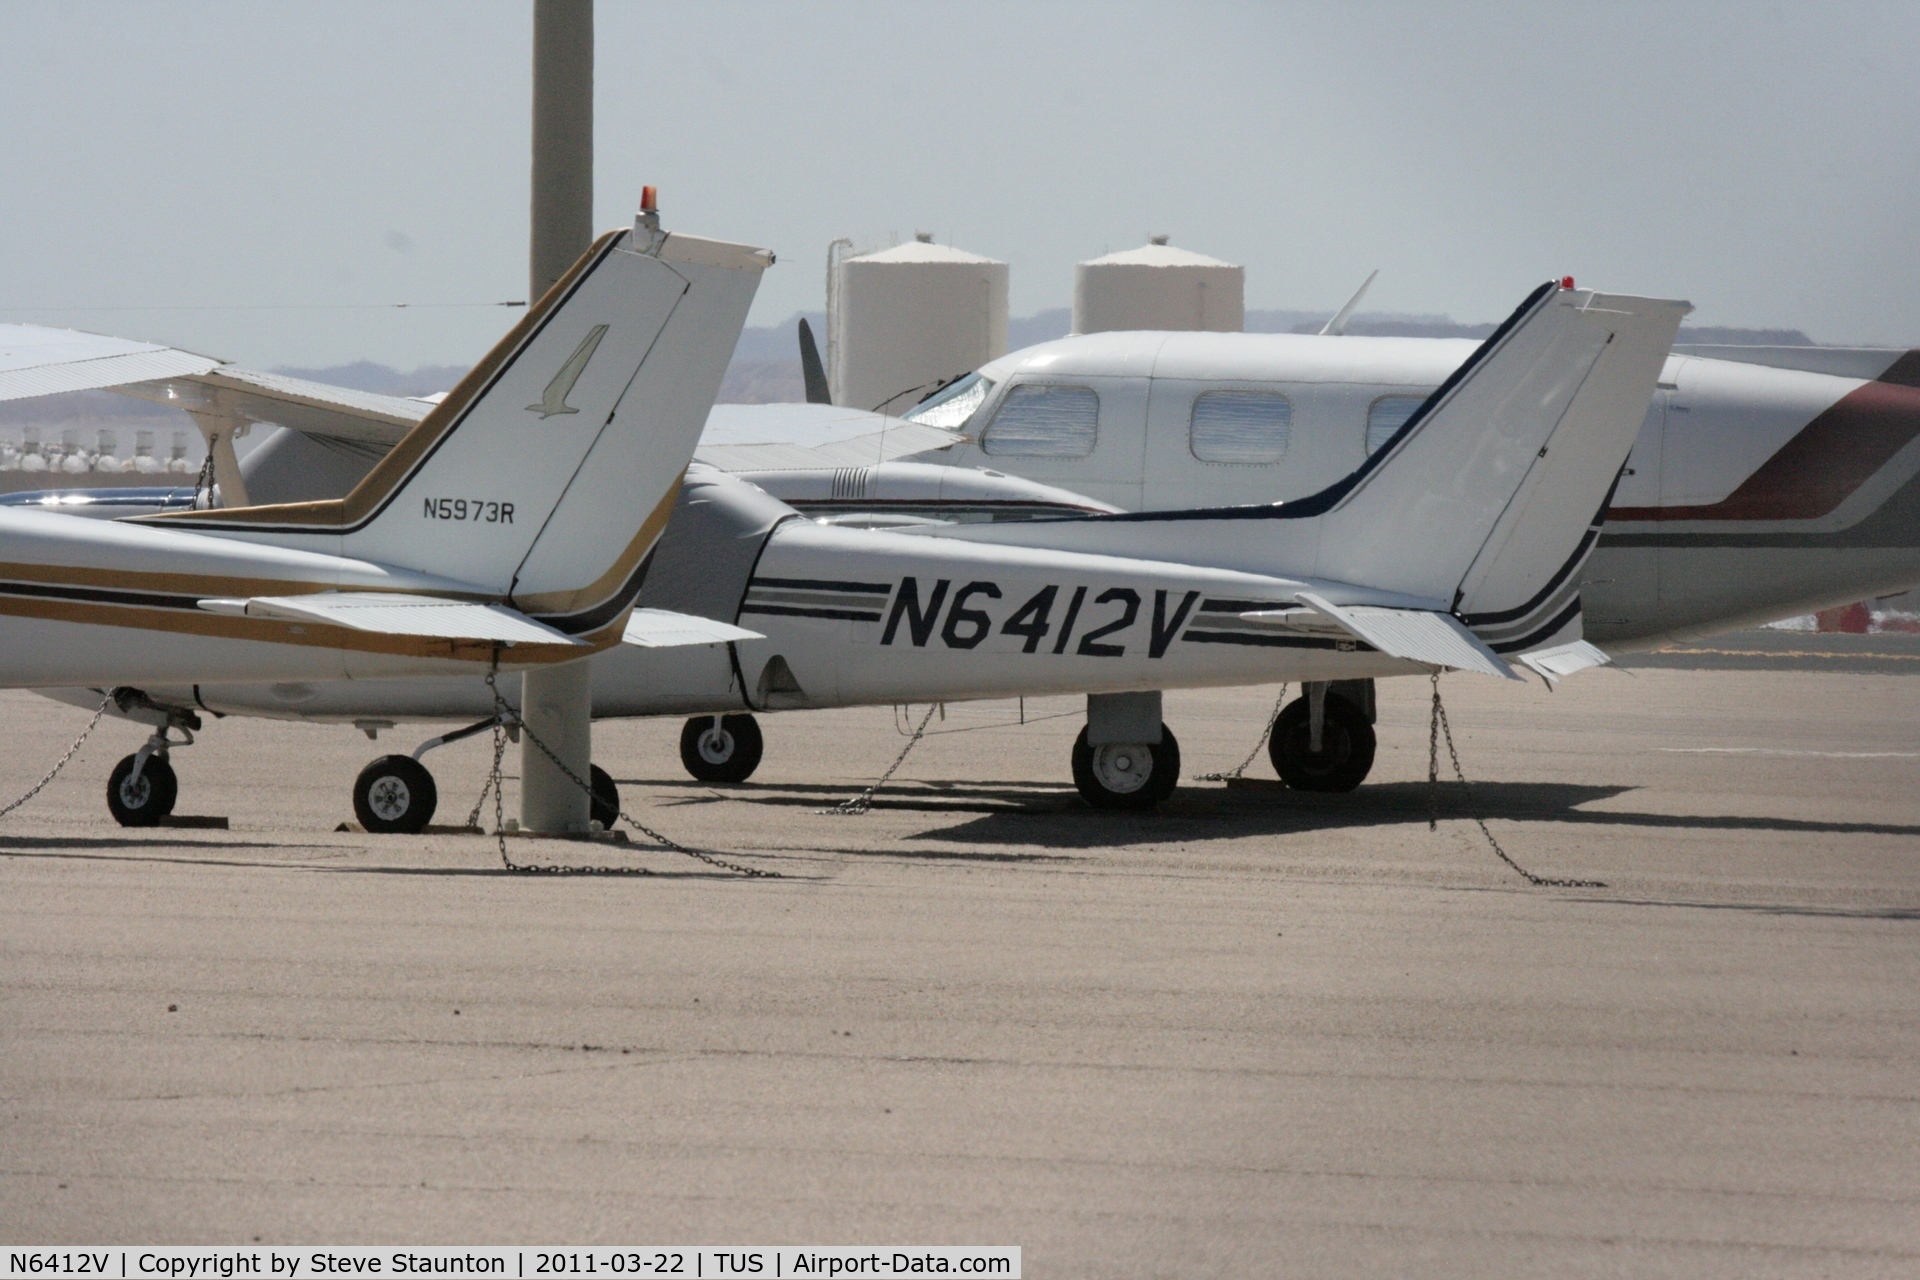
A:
[142,788]
[395,794]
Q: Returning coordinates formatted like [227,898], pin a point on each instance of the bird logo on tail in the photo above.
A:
[554,399]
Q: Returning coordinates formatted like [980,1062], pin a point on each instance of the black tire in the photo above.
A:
[144,802]
[1110,777]
[395,794]
[730,755]
[1346,746]
[604,808]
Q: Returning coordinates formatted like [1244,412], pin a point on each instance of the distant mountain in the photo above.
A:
[365,375]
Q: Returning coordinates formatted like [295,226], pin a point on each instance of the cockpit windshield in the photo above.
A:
[953,404]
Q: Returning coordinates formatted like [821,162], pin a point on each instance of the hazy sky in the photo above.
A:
[308,159]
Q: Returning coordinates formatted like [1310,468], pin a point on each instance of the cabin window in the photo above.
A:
[1386,416]
[953,404]
[1250,428]
[1039,420]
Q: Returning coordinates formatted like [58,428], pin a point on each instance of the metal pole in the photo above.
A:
[557,703]
[562,223]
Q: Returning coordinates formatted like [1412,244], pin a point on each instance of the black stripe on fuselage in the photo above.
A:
[1275,642]
[1565,616]
[821,584]
[102,595]
[790,611]
[591,619]
[1574,561]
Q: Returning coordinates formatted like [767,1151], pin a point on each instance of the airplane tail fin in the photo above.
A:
[547,474]
[1483,505]
[1486,497]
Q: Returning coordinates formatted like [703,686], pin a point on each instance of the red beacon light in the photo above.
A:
[1566,282]
[650,203]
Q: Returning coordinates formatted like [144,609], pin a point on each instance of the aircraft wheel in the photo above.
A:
[604,808]
[728,752]
[395,794]
[142,801]
[1126,775]
[1346,746]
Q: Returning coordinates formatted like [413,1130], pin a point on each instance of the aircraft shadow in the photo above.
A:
[932,797]
[1202,812]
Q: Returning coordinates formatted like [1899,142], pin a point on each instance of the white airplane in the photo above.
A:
[1481,504]
[508,529]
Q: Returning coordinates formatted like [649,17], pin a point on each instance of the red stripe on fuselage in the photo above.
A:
[1819,468]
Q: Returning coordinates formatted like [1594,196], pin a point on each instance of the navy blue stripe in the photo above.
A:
[819,584]
[1273,642]
[101,595]
[783,611]
[591,619]
[1566,615]
[1553,584]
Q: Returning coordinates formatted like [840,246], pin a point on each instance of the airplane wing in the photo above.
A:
[1418,635]
[398,614]
[791,437]
[39,361]
[311,407]
[663,629]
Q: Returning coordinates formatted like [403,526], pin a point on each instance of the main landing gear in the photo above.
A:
[721,748]
[396,794]
[142,788]
[1324,741]
[1125,757]
[1126,775]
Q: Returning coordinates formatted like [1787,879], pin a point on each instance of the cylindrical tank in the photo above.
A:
[905,319]
[1159,287]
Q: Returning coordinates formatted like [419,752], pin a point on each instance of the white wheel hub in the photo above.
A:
[135,792]
[1123,767]
[716,746]
[390,798]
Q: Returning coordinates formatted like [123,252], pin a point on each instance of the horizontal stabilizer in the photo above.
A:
[1565,659]
[391,613]
[664,629]
[1418,635]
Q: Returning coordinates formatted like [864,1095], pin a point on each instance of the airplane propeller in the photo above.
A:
[811,369]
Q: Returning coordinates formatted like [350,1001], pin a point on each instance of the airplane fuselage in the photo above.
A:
[1753,492]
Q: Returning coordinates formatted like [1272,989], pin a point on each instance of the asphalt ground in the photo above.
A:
[1893,653]
[1258,1033]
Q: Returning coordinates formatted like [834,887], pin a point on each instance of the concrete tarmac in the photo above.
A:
[1258,1033]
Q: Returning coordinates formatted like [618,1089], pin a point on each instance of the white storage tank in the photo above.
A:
[1159,287]
[904,319]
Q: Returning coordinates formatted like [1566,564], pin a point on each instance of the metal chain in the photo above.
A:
[61,763]
[501,711]
[859,805]
[1265,733]
[1438,726]
[493,776]
[204,481]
